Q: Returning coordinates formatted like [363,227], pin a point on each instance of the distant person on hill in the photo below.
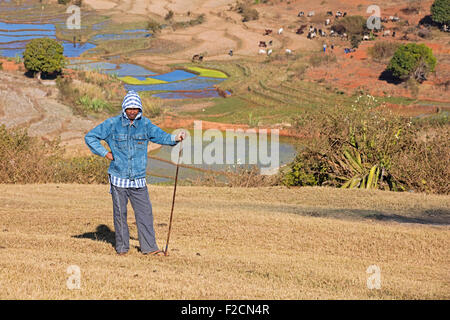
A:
[127,135]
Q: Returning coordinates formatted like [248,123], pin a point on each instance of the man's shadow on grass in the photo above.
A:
[102,233]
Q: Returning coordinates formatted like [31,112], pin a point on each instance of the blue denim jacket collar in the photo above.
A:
[126,121]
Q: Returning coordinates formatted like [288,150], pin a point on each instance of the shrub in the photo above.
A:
[25,159]
[352,25]
[17,59]
[425,34]
[412,61]
[44,55]
[93,105]
[248,13]
[440,11]
[152,107]
[365,146]
[412,9]
[199,20]
[169,15]
[421,166]
[193,22]
[153,26]
[91,92]
[89,169]
[252,121]
[383,50]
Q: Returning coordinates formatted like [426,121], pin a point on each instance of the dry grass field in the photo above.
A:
[226,243]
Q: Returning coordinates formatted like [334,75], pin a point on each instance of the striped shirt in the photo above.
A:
[127,183]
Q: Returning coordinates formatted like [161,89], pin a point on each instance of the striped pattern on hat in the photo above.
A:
[131,100]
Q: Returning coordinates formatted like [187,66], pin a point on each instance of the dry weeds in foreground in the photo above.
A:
[227,243]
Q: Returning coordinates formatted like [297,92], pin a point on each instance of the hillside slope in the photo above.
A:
[266,243]
[25,103]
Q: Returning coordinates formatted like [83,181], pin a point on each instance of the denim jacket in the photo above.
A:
[128,143]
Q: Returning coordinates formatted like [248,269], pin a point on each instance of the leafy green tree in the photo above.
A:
[412,61]
[44,55]
[440,11]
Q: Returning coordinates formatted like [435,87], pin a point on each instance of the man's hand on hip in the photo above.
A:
[109,156]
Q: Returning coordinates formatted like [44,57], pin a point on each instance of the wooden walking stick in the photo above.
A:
[173,199]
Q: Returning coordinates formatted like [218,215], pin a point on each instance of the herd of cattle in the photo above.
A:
[312,32]
[337,30]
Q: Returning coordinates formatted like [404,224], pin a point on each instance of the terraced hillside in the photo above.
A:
[267,93]
[34,106]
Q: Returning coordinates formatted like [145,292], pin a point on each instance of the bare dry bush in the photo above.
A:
[423,165]
[25,159]
[383,50]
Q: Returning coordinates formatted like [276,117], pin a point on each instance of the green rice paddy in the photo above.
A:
[134,81]
[210,73]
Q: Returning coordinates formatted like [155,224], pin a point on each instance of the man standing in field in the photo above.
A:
[127,136]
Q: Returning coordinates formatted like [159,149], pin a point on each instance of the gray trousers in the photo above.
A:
[142,207]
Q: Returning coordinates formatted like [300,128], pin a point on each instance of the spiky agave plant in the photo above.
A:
[363,178]
[369,171]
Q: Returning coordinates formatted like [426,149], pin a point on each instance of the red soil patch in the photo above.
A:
[355,71]
[438,48]
[9,65]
